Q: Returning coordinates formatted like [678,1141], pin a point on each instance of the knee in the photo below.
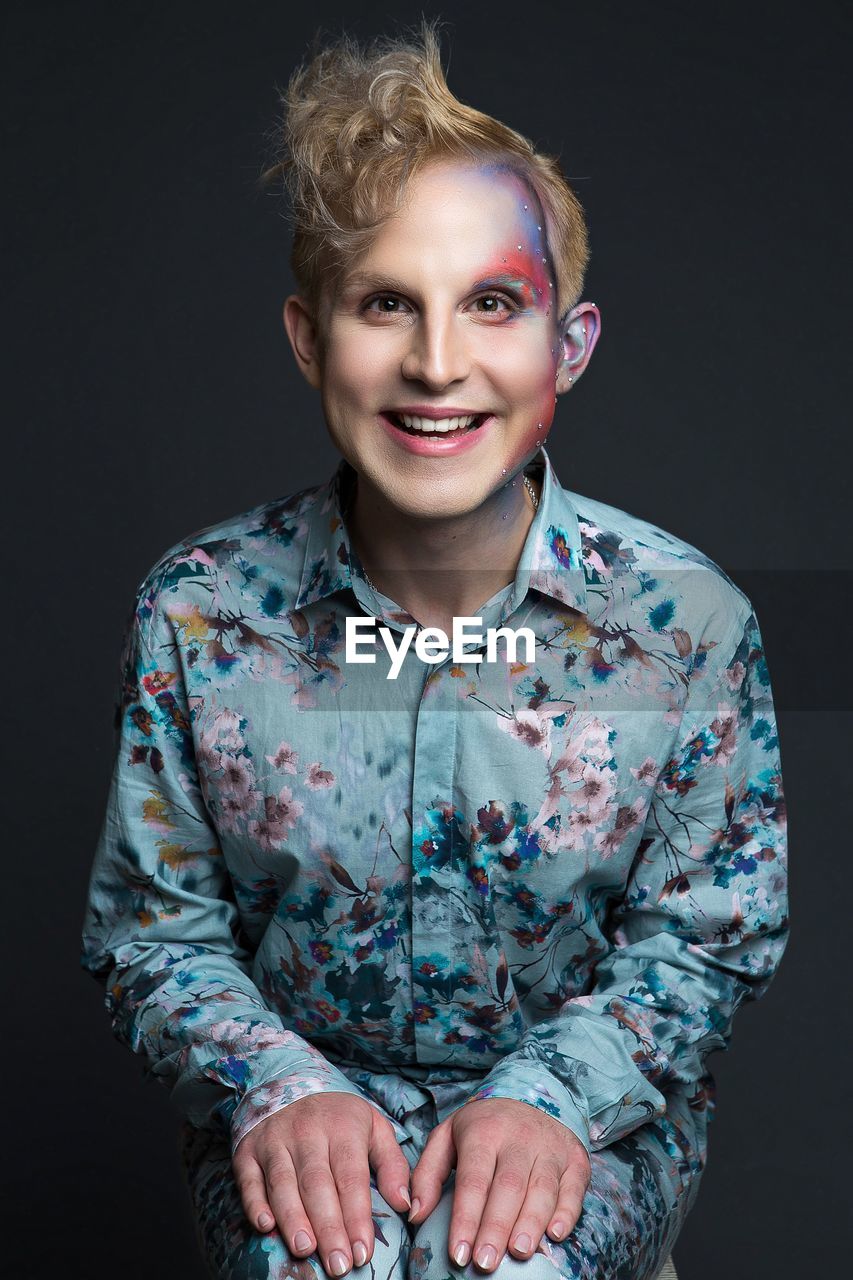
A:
[429,1258]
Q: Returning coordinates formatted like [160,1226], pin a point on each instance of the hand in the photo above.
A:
[306,1169]
[518,1172]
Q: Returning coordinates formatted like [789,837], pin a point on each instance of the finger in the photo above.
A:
[543,1187]
[475,1166]
[286,1205]
[389,1164]
[573,1185]
[432,1171]
[505,1198]
[249,1177]
[319,1194]
[351,1171]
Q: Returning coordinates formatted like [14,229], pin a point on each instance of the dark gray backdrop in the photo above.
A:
[149,391]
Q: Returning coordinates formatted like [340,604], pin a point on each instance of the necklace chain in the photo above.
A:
[528,484]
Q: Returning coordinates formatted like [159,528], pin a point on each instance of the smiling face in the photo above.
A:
[449,315]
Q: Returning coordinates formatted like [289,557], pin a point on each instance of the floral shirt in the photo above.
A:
[551,878]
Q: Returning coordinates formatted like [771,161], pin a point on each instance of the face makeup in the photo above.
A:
[448,314]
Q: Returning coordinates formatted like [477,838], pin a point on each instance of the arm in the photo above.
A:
[702,925]
[161,927]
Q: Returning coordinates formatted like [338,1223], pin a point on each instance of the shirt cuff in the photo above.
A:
[532,1083]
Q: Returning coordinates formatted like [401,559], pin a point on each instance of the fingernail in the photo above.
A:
[415,1209]
[359,1252]
[523,1242]
[404,1192]
[487,1257]
[338,1263]
[558,1229]
[462,1254]
[265,1221]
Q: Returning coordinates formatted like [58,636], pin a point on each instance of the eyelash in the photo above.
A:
[512,304]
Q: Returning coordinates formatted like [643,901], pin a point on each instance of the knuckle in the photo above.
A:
[470,1181]
[496,1226]
[510,1178]
[328,1228]
[353,1185]
[547,1181]
[278,1179]
[315,1177]
[303,1124]
[479,1152]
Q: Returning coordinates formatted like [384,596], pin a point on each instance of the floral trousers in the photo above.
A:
[641,1189]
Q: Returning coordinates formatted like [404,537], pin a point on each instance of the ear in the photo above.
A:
[304,339]
[578,334]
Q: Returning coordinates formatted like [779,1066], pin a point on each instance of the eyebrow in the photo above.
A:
[507,278]
[361,279]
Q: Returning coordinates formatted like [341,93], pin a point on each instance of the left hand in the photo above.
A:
[518,1172]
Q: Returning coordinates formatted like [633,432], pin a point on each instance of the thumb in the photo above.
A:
[389,1164]
[432,1170]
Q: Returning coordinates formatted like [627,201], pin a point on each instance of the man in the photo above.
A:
[444,935]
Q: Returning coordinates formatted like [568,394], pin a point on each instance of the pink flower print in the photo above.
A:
[236,777]
[725,727]
[280,816]
[595,791]
[285,758]
[647,773]
[735,676]
[317,777]
[225,732]
[628,816]
[529,727]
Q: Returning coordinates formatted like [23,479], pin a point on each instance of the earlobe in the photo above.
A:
[302,332]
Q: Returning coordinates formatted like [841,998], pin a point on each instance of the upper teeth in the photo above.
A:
[436,424]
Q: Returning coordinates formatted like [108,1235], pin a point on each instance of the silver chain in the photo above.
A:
[528,484]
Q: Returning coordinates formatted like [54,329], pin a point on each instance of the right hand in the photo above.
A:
[307,1168]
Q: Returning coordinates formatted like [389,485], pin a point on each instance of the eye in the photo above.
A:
[496,304]
[396,305]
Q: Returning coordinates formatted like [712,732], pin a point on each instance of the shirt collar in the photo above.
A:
[550,561]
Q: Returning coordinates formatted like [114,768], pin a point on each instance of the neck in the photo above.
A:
[440,569]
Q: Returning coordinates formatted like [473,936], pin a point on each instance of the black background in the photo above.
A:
[149,391]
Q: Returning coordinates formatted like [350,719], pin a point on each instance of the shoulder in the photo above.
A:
[250,550]
[675,579]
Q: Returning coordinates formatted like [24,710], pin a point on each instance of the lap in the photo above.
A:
[640,1192]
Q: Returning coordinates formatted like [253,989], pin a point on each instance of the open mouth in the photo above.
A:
[439,428]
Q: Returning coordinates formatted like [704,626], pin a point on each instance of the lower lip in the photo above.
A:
[437,446]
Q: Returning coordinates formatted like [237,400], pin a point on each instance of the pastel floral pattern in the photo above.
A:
[552,881]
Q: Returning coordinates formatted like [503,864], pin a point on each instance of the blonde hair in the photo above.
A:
[357,123]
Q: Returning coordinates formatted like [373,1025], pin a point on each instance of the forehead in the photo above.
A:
[458,207]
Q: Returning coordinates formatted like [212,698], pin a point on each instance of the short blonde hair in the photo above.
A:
[358,122]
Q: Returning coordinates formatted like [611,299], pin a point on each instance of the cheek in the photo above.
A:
[356,369]
[528,380]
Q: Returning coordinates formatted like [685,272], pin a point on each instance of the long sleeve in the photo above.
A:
[702,924]
[161,928]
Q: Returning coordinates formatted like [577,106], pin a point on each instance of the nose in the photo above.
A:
[437,354]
